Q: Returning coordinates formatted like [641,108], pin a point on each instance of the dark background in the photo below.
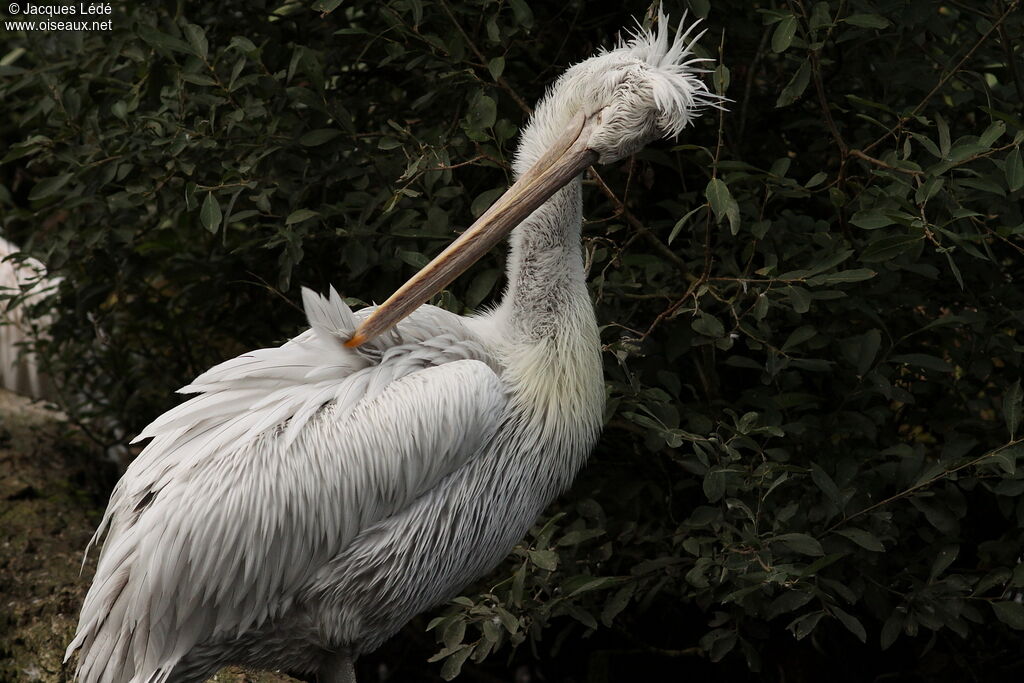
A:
[810,302]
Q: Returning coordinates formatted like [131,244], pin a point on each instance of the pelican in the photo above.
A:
[311,498]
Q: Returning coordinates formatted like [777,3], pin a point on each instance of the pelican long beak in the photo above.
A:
[565,159]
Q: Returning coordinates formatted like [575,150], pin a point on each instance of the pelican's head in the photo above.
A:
[601,110]
[646,88]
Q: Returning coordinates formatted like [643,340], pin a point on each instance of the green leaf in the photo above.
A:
[796,86]
[300,215]
[681,222]
[197,39]
[718,195]
[483,112]
[782,38]
[617,603]
[869,343]
[943,128]
[1010,613]
[714,485]
[578,536]
[326,6]
[943,558]
[866,20]
[851,623]
[887,248]
[209,213]
[923,360]
[827,486]
[496,67]
[865,539]
[318,137]
[453,664]
[803,626]
[162,40]
[708,325]
[891,629]
[991,134]
[853,275]
[1012,400]
[871,219]
[722,203]
[799,336]
[49,186]
[1014,170]
[801,543]
[545,559]
[522,13]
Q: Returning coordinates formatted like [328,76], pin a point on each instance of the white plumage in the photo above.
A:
[311,498]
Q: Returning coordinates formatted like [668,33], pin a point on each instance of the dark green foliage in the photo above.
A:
[811,302]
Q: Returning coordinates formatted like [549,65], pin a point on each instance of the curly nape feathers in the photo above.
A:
[679,93]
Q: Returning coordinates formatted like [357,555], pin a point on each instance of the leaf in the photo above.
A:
[318,137]
[923,360]
[851,623]
[799,336]
[943,127]
[708,325]
[789,601]
[870,341]
[300,215]
[453,664]
[828,487]
[803,626]
[854,275]
[496,67]
[209,213]
[866,20]
[714,485]
[617,603]
[545,559]
[162,40]
[522,13]
[887,248]
[681,222]
[1012,400]
[782,38]
[891,629]
[578,536]
[1010,613]
[483,112]
[1014,169]
[49,186]
[326,6]
[871,219]
[865,539]
[718,195]
[991,134]
[945,557]
[197,39]
[801,543]
[796,86]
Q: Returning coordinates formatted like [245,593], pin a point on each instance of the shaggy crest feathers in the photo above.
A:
[679,94]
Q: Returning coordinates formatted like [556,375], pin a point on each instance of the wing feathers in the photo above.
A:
[268,471]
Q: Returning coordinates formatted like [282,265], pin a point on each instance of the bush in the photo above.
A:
[810,302]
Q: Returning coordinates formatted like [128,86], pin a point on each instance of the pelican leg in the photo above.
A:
[338,668]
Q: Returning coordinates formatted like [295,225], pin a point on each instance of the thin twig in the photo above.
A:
[500,80]
[878,162]
[942,81]
[926,483]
